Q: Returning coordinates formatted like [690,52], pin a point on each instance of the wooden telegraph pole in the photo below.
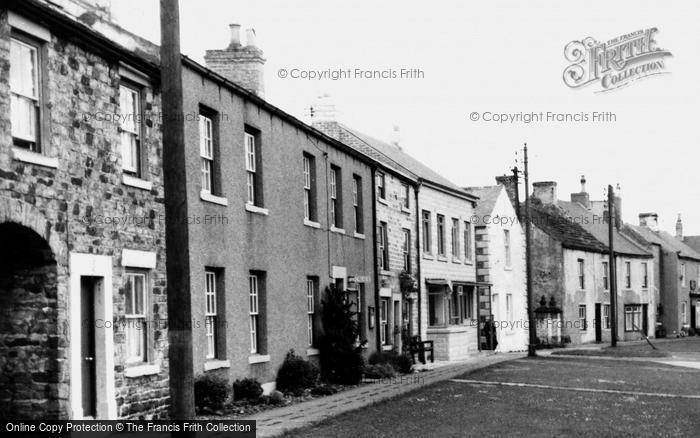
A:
[611,266]
[176,232]
[531,352]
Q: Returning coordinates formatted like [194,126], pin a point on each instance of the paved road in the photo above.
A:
[546,396]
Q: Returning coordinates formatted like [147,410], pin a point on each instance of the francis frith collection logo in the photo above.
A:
[615,63]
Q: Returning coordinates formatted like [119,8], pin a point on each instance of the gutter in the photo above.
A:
[418,256]
[374,263]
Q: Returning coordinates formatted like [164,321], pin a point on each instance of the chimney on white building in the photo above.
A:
[545,191]
[649,220]
[679,228]
[582,197]
[243,65]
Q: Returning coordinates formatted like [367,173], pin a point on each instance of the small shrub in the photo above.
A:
[276,398]
[296,374]
[379,371]
[324,390]
[210,391]
[382,357]
[247,389]
[404,363]
[692,331]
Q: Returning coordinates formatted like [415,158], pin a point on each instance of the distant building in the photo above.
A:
[500,252]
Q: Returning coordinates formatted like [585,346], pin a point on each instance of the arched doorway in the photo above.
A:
[30,380]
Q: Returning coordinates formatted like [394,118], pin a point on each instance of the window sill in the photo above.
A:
[141,370]
[385,273]
[458,261]
[383,201]
[258,358]
[139,183]
[312,224]
[405,210]
[313,351]
[507,268]
[257,210]
[34,158]
[468,262]
[337,230]
[387,347]
[208,197]
[215,364]
[359,236]
[428,256]
[442,259]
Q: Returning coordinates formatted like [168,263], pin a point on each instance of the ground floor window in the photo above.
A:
[606,316]
[583,323]
[467,302]
[384,321]
[684,313]
[633,317]
[135,292]
[436,307]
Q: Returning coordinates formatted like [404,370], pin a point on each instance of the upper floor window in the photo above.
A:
[130,127]
[683,279]
[309,187]
[381,185]
[25,94]
[336,195]
[383,246]
[441,234]
[206,152]
[357,203]
[467,241]
[427,226]
[606,278]
[628,274]
[645,275]
[406,249]
[506,247]
[581,274]
[406,196]
[455,237]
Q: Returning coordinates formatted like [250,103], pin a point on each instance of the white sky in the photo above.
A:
[499,56]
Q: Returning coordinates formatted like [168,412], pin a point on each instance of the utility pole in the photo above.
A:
[528,261]
[176,231]
[612,267]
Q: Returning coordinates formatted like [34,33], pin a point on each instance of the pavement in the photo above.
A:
[275,422]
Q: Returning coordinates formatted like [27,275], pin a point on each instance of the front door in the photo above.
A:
[87,353]
[645,319]
[598,323]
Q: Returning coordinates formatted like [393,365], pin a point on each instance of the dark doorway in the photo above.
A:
[598,324]
[645,319]
[87,348]
[30,376]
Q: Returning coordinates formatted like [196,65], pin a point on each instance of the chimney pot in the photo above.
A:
[679,228]
[583,183]
[250,38]
[235,35]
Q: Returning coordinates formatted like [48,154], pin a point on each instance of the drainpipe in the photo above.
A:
[418,257]
[374,263]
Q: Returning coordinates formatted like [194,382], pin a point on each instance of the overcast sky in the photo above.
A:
[479,56]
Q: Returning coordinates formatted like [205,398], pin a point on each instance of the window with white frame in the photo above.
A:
[506,244]
[406,250]
[453,311]
[310,310]
[130,128]
[509,307]
[406,194]
[645,275]
[384,334]
[583,322]
[307,187]
[254,312]
[606,316]
[135,292]
[206,152]
[633,317]
[210,314]
[335,194]
[628,274]
[383,246]
[455,237]
[684,312]
[25,92]
[606,278]
[357,203]
[426,232]
[581,274]
[251,169]
[467,304]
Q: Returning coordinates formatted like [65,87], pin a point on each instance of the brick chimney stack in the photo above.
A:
[582,197]
[243,65]
[511,186]
[545,191]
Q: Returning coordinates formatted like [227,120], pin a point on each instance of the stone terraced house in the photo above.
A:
[82,261]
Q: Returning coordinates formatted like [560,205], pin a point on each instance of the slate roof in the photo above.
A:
[553,221]
[488,196]
[668,242]
[693,242]
[596,226]
[392,156]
